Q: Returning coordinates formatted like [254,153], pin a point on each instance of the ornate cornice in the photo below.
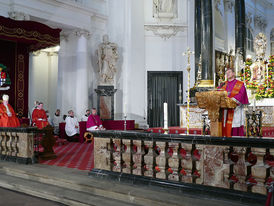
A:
[229,4]
[164,31]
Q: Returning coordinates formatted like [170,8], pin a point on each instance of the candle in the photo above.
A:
[254,105]
[165,116]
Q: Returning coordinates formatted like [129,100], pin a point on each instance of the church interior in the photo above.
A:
[169,94]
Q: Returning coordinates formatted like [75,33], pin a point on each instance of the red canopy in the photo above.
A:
[34,34]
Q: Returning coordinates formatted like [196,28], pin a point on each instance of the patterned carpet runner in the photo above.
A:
[73,155]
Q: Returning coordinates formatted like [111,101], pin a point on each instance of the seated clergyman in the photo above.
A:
[94,122]
[85,116]
[7,115]
[72,126]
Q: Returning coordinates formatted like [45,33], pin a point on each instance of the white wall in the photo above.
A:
[43,69]
[126,28]
[166,54]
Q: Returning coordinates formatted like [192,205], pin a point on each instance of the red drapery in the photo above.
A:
[17,39]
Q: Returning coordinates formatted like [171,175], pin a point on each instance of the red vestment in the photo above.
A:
[39,118]
[236,90]
[5,120]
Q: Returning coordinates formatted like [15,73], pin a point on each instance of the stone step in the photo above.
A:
[78,182]
[55,193]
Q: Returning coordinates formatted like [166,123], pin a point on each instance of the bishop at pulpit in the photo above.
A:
[213,102]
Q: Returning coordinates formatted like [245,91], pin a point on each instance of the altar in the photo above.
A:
[196,118]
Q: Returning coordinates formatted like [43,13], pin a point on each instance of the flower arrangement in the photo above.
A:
[265,90]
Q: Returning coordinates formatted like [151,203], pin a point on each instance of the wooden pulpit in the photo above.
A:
[213,101]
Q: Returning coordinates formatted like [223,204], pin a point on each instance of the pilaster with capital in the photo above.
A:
[82,71]
[73,72]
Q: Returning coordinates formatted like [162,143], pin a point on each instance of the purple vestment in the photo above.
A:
[93,120]
[241,96]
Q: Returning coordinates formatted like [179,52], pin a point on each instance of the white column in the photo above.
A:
[62,99]
[81,78]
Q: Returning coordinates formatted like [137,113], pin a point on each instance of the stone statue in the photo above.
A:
[260,45]
[107,58]
[257,72]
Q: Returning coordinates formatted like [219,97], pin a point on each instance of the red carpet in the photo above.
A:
[73,155]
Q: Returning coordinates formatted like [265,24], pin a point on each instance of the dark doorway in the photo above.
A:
[164,87]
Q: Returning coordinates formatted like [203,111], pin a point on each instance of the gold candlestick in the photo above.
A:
[188,68]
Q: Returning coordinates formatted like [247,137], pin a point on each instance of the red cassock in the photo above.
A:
[39,118]
[5,120]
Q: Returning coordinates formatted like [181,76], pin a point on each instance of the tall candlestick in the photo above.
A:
[188,53]
[266,68]
[244,72]
[165,116]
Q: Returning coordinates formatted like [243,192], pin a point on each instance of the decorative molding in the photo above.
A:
[260,22]
[82,32]
[48,53]
[17,15]
[164,31]
[20,84]
[229,4]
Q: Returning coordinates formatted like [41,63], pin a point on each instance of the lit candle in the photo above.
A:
[165,116]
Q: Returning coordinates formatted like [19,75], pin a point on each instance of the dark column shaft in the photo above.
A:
[197,33]
[207,39]
[240,30]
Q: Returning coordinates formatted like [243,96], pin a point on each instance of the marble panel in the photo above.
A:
[195,113]
[102,153]
[214,168]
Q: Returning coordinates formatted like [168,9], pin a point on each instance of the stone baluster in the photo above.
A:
[137,157]
[160,161]
[173,161]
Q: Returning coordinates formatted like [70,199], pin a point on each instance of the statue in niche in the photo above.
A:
[257,68]
[164,8]
[260,45]
[107,59]
[257,72]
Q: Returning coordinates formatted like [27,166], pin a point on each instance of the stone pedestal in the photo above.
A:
[105,102]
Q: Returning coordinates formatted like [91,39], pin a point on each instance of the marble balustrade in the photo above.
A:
[17,144]
[241,164]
